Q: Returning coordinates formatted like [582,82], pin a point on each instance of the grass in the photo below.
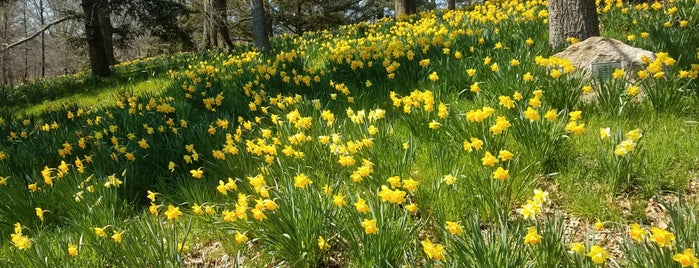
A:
[379,144]
[100,96]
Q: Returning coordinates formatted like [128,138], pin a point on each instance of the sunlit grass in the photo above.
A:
[99,97]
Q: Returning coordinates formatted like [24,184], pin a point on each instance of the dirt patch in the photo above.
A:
[209,254]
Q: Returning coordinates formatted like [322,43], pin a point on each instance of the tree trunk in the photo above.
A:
[451,4]
[5,78]
[259,26]
[95,40]
[206,42]
[572,18]
[401,8]
[412,6]
[26,45]
[43,39]
[107,30]
[405,7]
[379,10]
[221,21]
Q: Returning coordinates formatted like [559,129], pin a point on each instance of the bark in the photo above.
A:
[401,8]
[451,4]
[5,71]
[43,39]
[206,41]
[95,40]
[405,7]
[259,26]
[572,18]
[107,30]
[221,21]
[26,46]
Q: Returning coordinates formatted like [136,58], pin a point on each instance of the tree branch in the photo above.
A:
[5,46]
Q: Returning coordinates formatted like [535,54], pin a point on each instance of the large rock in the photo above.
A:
[598,51]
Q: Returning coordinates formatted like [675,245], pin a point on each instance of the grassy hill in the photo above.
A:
[451,138]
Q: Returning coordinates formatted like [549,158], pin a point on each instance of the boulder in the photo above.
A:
[602,52]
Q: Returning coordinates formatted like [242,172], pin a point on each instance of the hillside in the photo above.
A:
[449,139]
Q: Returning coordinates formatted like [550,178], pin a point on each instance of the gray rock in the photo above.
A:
[602,52]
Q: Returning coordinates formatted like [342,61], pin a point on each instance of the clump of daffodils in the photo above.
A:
[533,206]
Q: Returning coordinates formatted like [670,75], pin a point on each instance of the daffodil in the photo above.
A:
[686,258]
[599,225]
[598,254]
[172,212]
[636,232]
[339,200]
[322,244]
[99,231]
[197,173]
[240,238]
[361,206]
[433,251]
[454,228]
[532,238]
[117,236]
[577,248]
[488,159]
[72,250]
[301,181]
[370,226]
[501,174]
[662,237]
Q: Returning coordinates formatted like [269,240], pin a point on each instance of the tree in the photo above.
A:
[215,24]
[95,40]
[572,18]
[259,25]
[451,4]
[405,7]
[299,16]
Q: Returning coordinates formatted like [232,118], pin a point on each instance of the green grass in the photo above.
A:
[102,95]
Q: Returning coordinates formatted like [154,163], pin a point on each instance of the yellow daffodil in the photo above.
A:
[686,258]
[369,226]
[662,237]
[240,238]
[532,238]
[301,181]
[454,228]
[433,251]
[72,250]
[636,232]
[598,254]
[173,212]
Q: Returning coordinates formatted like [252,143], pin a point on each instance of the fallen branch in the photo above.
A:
[5,46]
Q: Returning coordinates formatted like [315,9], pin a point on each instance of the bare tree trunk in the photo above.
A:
[206,38]
[43,39]
[26,45]
[405,7]
[572,18]
[259,25]
[451,4]
[95,40]
[5,19]
[401,8]
[221,21]
[107,30]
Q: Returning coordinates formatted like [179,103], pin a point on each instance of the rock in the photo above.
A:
[598,50]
